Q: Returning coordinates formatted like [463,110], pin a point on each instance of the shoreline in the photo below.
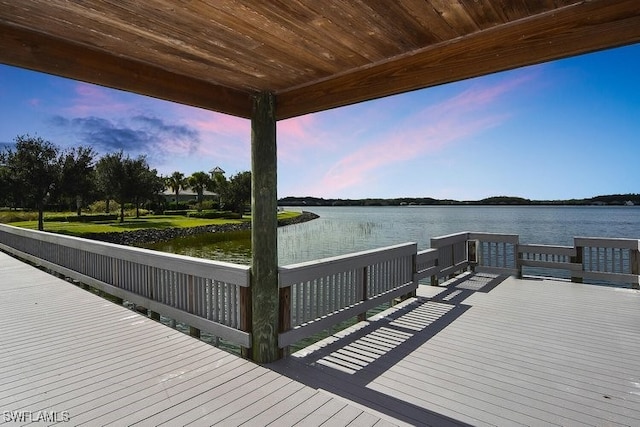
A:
[154,235]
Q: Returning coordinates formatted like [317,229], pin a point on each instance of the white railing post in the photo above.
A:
[364,289]
[634,260]
[472,254]
[579,260]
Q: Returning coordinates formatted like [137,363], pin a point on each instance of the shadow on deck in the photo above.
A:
[346,363]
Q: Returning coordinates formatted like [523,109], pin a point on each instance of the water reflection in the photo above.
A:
[234,246]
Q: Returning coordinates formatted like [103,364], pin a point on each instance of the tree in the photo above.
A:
[146,184]
[127,179]
[35,168]
[109,169]
[10,194]
[199,181]
[237,193]
[218,184]
[114,181]
[78,179]
[177,182]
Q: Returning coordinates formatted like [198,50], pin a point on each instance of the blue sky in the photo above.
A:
[564,129]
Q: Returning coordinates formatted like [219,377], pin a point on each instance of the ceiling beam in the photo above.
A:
[40,52]
[572,30]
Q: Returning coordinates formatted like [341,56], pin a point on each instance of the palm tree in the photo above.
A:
[177,182]
[198,181]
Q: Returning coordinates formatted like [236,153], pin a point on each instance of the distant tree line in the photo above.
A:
[37,174]
[608,200]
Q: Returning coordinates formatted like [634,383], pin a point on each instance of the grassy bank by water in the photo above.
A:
[156,222]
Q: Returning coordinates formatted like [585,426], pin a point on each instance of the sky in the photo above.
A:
[559,130]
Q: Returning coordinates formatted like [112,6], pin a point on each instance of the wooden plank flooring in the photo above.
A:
[72,354]
[490,351]
[482,350]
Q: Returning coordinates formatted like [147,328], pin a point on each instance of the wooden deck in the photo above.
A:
[490,350]
[483,350]
[76,358]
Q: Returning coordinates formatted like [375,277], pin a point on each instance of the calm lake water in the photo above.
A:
[341,230]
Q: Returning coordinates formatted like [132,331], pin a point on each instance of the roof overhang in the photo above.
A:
[312,55]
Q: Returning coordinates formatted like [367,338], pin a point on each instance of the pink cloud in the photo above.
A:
[298,128]
[222,124]
[322,133]
[361,166]
[92,100]
[478,96]
[429,130]
[224,138]
[299,135]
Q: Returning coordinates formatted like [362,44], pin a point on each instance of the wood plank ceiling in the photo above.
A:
[313,55]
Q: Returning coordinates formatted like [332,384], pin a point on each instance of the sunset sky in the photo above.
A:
[565,129]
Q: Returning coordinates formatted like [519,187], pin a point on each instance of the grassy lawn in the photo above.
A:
[148,221]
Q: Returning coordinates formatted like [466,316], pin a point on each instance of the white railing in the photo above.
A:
[598,259]
[201,293]
[488,252]
[452,253]
[427,264]
[548,257]
[614,260]
[318,294]
[497,253]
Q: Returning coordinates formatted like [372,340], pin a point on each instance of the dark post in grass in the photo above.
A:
[264,222]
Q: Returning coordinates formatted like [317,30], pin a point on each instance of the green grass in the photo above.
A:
[7,216]
[287,214]
[130,224]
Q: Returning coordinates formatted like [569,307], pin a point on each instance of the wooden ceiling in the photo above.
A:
[312,54]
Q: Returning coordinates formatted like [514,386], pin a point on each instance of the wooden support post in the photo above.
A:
[194,332]
[578,259]
[264,227]
[284,318]
[245,317]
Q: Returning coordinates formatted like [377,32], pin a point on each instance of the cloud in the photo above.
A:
[426,130]
[297,136]
[92,100]
[139,135]
[173,136]
[217,123]
[178,137]
[224,138]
